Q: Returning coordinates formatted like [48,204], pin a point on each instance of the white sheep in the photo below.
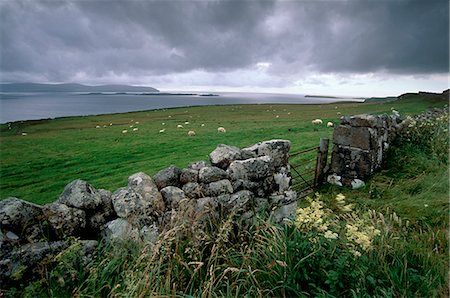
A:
[277,116]
[203,124]
[317,121]
[179,126]
[24,134]
[135,129]
[124,131]
[330,124]
[221,129]
[186,122]
[163,123]
[162,130]
[137,122]
[98,126]
[191,133]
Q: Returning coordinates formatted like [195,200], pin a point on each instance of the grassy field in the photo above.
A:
[37,166]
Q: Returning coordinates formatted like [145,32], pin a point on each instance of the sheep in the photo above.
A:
[203,124]
[221,129]
[163,123]
[179,126]
[137,122]
[124,131]
[24,134]
[317,121]
[162,130]
[186,123]
[131,126]
[277,116]
[330,124]
[98,126]
[110,124]
[191,133]
[135,129]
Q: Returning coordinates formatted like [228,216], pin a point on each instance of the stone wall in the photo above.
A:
[359,145]
[236,182]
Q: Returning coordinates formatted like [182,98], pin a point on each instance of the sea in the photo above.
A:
[15,106]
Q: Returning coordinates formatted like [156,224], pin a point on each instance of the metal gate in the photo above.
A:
[307,168]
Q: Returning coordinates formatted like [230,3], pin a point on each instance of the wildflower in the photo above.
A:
[330,235]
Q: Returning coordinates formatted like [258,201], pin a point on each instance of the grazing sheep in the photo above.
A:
[162,130]
[137,122]
[131,126]
[203,124]
[135,129]
[330,124]
[289,113]
[221,129]
[163,123]
[110,124]
[124,131]
[186,122]
[277,116]
[191,133]
[98,126]
[339,113]
[395,113]
[24,134]
[179,126]
[317,121]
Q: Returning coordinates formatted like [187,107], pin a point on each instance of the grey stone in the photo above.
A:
[211,174]
[206,205]
[334,179]
[64,220]
[168,177]
[80,194]
[357,183]
[223,155]
[188,175]
[103,214]
[217,188]
[197,165]
[152,200]
[359,137]
[240,202]
[149,233]
[35,233]
[32,253]
[16,214]
[172,196]
[349,162]
[364,120]
[261,204]
[11,236]
[278,150]
[192,190]
[127,203]
[251,169]
[243,184]
[284,212]
[120,230]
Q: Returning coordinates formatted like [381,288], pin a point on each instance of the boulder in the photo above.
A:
[239,202]
[251,169]
[278,150]
[223,155]
[360,137]
[168,177]
[206,205]
[283,212]
[127,203]
[192,190]
[149,233]
[261,204]
[64,220]
[243,184]
[16,214]
[120,230]
[217,188]
[188,175]
[172,196]
[211,174]
[103,214]
[364,120]
[152,200]
[80,194]
[197,165]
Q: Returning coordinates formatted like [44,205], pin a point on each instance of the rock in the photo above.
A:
[188,175]
[211,174]
[172,196]
[240,202]
[16,214]
[360,137]
[192,190]
[35,233]
[223,155]
[103,214]
[106,205]
[278,150]
[120,230]
[198,165]
[65,221]
[11,236]
[217,188]
[334,179]
[127,203]
[80,194]
[251,169]
[87,251]
[284,212]
[168,177]
[152,200]
[243,184]
[261,205]
[149,233]
[363,120]
[206,205]
[357,183]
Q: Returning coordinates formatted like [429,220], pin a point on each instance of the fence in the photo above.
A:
[307,168]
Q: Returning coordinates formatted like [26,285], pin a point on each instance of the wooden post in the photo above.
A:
[321,162]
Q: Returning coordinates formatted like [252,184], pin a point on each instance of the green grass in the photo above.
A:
[36,167]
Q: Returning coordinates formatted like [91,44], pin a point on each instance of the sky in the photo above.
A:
[333,47]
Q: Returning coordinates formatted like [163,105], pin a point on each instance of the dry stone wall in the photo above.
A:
[236,182]
[359,145]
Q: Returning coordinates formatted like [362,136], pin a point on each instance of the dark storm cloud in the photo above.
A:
[65,40]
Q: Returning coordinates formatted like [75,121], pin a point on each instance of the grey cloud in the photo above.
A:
[59,40]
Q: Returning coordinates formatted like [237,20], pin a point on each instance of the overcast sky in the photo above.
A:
[341,47]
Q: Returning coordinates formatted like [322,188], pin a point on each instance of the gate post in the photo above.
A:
[321,161]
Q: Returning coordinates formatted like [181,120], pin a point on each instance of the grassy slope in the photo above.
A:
[36,167]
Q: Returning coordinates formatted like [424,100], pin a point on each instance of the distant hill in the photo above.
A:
[71,87]
[444,96]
